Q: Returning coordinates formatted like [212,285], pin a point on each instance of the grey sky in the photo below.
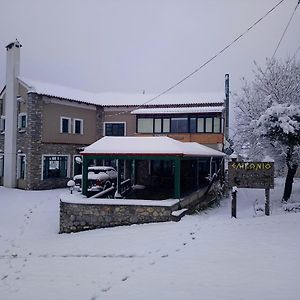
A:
[136,45]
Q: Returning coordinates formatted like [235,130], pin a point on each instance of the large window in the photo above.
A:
[179,125]
[55,166]
[145,125]
[174,124]
[114,129]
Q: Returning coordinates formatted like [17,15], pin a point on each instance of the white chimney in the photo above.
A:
[11,93]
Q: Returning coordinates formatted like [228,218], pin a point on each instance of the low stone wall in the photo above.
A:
[76,217]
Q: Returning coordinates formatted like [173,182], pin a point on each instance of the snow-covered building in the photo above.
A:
[44,127]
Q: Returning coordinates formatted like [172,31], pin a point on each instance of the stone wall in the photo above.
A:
[79,217]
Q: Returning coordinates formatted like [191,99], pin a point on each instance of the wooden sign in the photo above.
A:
[258,175]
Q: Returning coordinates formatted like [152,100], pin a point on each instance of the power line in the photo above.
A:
[210,59]
[286,28]
[216,55]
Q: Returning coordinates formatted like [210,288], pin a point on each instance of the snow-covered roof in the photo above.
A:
[162,145]
[119,99]
[178,110]
[58,91]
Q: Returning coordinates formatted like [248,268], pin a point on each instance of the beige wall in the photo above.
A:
[128,118]
[22,91]
[22,108]
[52,113]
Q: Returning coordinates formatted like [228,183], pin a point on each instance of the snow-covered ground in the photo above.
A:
[204,256]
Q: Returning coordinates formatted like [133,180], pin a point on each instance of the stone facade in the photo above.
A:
[30,143]
[79,217]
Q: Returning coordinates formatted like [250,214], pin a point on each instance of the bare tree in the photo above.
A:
[268,116]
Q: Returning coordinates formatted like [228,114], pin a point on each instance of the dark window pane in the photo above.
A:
[55,166]
[179,125]
[193,125]
[78,126]
[114,129]
[65,125]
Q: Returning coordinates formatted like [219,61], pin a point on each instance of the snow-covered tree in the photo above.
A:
[268,116]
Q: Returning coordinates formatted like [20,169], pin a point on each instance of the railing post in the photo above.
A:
[84,182]
[176,163]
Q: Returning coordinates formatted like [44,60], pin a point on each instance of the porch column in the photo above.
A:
[84,183]
[176,163]
[119,180]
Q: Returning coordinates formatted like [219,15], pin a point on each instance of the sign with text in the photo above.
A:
[259,175]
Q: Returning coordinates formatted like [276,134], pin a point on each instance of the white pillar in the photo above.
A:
[11,118]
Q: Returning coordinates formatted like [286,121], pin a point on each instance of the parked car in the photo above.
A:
[99,178]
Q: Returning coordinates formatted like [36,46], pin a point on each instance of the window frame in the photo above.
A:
[104,127]
[1,165]
[2,124]
[19,168]
[81,126]
[193,120]
[74,163]
[56,155]
[69,124]
[20,116]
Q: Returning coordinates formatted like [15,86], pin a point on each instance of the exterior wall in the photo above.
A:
[52,113]
[79,217]
[42,136]
[112,115]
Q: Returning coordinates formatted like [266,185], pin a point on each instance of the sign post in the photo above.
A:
[233,204]
[259,175]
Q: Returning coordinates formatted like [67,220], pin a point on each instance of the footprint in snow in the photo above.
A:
[4,277]
[165,255]
[125,278]
[183,244]
[104,290]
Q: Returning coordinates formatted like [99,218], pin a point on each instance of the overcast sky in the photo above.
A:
[136,45]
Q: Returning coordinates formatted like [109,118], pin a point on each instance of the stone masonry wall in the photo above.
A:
[79,217]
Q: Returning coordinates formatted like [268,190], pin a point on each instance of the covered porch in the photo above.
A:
[163,167]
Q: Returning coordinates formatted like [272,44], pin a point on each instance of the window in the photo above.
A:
[200,125]
[65,125]
[77,165]
[193,123]
[208,124]
[21,167]
[1,165]
[55,166]
[157,125]
[145,125]
[78,126]
[22,121]
[166,125]
[114,129]
[217,124]
[2,124]
[179,125]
